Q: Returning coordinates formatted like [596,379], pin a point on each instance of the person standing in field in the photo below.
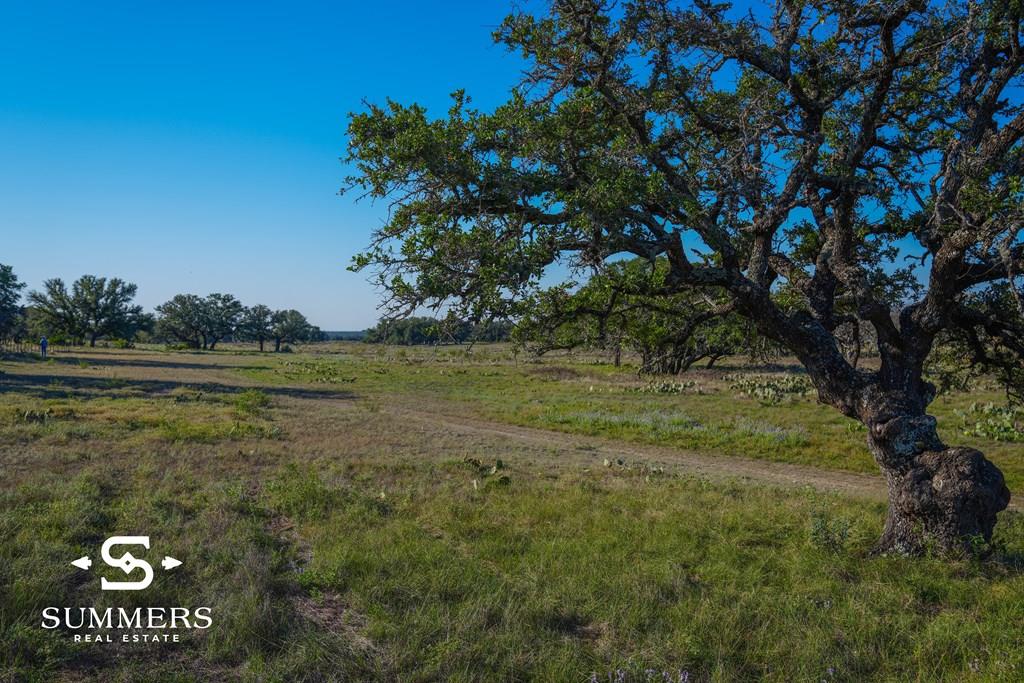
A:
[43,343]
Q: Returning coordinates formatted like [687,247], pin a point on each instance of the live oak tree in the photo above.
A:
[257,324]
[802,148]
[181,319]
[621,309]
[220,315]
[807,147]
[95,307]
[290,326]
[200,322]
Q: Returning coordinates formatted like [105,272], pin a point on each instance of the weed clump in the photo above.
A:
[251,402]
[828,532]
[491,473]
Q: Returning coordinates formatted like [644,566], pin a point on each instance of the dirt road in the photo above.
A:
[594,451]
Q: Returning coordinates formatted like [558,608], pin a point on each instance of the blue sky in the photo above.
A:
[193,146]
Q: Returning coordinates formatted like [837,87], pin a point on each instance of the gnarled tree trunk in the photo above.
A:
[941,497]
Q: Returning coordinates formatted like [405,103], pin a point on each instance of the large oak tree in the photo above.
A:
[199,322]
[94,307]
[805,149]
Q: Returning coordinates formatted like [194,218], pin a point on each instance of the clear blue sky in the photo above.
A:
[193,146]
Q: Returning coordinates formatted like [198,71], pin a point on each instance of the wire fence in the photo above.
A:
[25,346]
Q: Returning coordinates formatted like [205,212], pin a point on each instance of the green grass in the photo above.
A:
[251,402]
[313,572]
[182,416]
[597,399]
[232,562]
[334,541]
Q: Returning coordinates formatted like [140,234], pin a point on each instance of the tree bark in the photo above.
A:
[940,497]
[261,345]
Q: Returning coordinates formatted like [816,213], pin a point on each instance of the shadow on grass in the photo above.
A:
[102,361]
[63,386]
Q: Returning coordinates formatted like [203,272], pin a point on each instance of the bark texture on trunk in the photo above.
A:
[939,497]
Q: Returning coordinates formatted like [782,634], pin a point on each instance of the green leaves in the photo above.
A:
[787,169]
[95,307]
[10,295]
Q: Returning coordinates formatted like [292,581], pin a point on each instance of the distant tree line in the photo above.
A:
[419,330]
[95,308]
[202,322]
[615,312]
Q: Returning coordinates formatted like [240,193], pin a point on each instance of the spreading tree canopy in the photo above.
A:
[219,316]
[181,319]
[94,307]
[862,157]
[199,322]
[257,324]
[290,326]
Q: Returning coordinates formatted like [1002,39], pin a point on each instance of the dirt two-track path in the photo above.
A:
[593,451]
[549,447]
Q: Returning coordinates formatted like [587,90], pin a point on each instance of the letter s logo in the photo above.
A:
[127,563]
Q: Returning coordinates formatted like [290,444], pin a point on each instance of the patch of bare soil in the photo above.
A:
[330,612]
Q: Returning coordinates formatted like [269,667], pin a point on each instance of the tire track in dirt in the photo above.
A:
[589,450]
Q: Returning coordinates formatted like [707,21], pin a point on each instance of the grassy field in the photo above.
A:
[341,525]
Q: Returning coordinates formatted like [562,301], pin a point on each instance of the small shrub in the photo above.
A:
[251,402]
[829,533]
